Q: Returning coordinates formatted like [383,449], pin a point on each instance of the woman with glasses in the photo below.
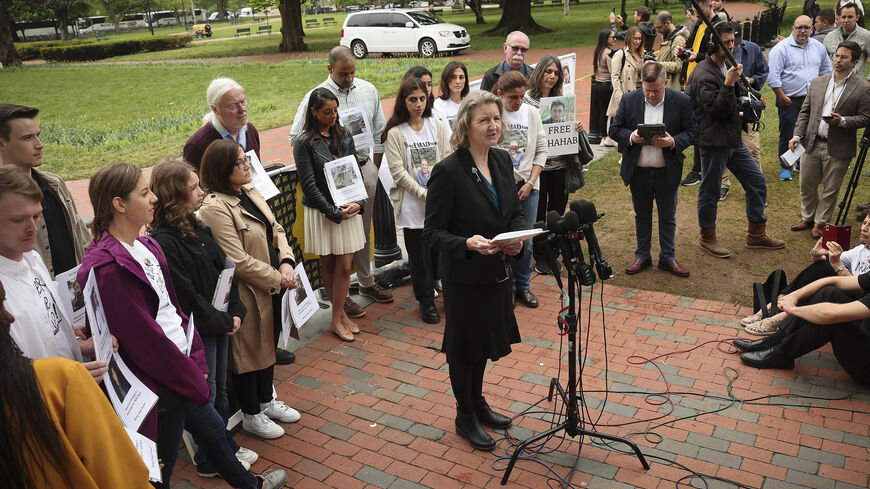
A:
[248,234]
[602,88]
[334,232]
[625,68]
[227,116]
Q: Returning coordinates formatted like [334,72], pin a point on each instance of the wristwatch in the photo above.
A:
[840,268]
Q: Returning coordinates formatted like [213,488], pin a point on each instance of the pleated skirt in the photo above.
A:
[324,237]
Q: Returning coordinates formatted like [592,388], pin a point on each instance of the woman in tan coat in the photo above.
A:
[625,68]
[248,234]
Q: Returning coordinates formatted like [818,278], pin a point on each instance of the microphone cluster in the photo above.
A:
[566,233]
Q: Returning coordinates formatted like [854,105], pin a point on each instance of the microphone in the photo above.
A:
[572,225]
[546,242]
[586,211]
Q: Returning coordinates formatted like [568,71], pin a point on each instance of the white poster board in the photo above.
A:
[259,178]
[221,297]
[557,115]
[344,180]
[356,122]
[71,295]
[131,399]
[148,451]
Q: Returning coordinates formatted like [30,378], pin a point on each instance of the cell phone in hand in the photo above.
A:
[828,117]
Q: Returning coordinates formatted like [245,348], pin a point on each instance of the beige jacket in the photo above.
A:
[78,231]
[669,60]
[624,80]
[853,104]
[242,237]
[403,181]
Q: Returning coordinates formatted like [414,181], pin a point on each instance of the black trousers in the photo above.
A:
[466,379]
[420,262]
[252,388]
[601,92]
[850,340]
[551,197]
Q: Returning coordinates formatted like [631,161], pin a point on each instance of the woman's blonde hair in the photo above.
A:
[466,111]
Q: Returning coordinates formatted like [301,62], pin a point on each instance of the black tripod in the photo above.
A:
[853,180]
[577,270]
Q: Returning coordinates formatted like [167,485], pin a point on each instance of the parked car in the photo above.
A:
[401,31]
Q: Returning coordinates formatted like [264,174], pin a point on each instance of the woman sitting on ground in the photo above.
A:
[195,263]
[829,259]
[333,232]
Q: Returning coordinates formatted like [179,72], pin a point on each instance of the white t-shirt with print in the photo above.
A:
[446,110]
[419,145]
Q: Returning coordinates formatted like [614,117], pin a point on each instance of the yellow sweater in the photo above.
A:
[99,453]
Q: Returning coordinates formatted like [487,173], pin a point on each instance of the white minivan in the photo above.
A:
[401,31]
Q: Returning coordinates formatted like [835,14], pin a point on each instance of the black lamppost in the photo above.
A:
[386,247]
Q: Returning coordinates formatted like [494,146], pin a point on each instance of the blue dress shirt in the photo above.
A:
[793,67]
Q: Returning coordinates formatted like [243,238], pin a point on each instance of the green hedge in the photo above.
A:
[33,50]
[93,50]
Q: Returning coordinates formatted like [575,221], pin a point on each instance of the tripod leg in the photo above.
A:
[631,444]
[523,445]
[844,205]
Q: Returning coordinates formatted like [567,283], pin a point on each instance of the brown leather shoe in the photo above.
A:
[638,266]
[377,293]
[673,268]
[352,309]
[817,231]
[802,225]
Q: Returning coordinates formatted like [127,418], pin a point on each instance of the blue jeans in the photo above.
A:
[207,425]
[523,266]
[646,186]
[787,119]
[216,358]
[744,168]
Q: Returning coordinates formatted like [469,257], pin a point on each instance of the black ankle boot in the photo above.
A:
[468,427]
[486,416]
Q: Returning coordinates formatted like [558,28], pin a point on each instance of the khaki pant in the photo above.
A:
[752,140]
[362,259]
[819,167]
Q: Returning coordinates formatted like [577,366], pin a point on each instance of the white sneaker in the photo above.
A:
[262,426]
[246,456]
[610,143]
[213,472]
[274,479]
[282,412]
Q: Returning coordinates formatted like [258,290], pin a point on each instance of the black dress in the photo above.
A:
[478,300]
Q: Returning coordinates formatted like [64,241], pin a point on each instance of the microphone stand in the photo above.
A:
[573,423]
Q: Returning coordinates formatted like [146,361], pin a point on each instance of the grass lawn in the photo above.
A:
[94,114]
[728,280]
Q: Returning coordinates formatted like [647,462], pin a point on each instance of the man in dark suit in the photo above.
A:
[652,169]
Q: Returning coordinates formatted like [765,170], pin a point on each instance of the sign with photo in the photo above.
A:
[71,295]
[557,115]
[569,72]
[260,178]
[355,121]
[421,163]
[516,137]
[298,305]
[344,180]
[131,399]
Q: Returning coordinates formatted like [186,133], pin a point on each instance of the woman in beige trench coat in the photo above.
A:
[625,68]
[247,232]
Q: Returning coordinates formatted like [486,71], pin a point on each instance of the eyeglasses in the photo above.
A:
[517,48]
[802,28]
[238,105]
[242,163]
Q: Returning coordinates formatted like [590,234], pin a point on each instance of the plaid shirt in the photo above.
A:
[361,93]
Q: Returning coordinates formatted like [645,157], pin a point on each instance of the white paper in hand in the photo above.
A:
[259,178]
[791,157]
[286,318]
[344,180]
[221,298]
[515,236]
[148,451]
[302,303]
[97,319]
[72,295]
[356,122]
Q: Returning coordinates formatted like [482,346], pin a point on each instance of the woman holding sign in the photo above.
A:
[195,264]
[143,313]
[411,137]
[247,232]
[546,81]
[473,198]
[335,232]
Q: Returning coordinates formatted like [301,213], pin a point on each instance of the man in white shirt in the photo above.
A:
[652,169]
[836,106]
[41,328]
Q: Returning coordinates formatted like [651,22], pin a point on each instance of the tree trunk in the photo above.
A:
[8,53]
[516,16]
[110,12]
[291,26]
[478,12]
[64,31]
[222,9]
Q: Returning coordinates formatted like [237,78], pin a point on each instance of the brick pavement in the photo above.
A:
[378,412]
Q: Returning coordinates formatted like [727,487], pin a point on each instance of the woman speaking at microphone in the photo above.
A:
[472,196]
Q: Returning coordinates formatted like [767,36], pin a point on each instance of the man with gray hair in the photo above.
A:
[355,92]
[652,167]
[226,119]
[515,48]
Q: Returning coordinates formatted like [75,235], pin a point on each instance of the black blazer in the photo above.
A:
[311,155]
[679,122]
[458,206]
[194,266]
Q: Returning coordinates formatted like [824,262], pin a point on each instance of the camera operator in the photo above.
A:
[715,97]
[694,51]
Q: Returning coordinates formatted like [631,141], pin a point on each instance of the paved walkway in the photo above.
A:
[378,412]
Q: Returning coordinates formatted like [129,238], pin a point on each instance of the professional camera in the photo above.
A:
[649,55]
[684,54]
[750,107]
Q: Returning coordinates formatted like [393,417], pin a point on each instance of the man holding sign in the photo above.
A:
[355,92]
[652,167]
